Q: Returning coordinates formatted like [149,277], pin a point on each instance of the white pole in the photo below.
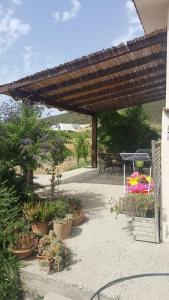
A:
[124,177]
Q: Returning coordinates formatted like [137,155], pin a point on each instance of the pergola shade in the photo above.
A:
[118,77]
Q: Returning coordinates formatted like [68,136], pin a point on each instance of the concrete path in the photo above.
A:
[103,248]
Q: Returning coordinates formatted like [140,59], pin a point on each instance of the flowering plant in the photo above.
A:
[139,183]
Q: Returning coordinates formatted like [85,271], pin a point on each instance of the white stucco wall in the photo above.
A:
[165,157]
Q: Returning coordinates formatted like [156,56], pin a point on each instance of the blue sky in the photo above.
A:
[38,34]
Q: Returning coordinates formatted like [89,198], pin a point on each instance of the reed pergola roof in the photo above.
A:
[130,74]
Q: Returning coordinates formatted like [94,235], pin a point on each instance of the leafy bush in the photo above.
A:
[135,205]
[10,208]
[10,282]
[81,147]
[127,130]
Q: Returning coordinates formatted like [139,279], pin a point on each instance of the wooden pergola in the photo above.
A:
[129,74]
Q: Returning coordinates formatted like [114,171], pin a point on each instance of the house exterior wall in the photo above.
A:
[153,14]
[165,156]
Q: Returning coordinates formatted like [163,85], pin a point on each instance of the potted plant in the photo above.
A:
[62,221]
[62,226]
[38,215]
[23,244]
[140,207]
[52,253]
[45,264]
[76,207]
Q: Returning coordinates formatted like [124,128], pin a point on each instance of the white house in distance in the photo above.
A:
[69,127]
[154,14]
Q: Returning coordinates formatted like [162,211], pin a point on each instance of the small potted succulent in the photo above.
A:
[38,215]
[52,253]
[23,244]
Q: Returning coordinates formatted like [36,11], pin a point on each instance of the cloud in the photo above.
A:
[17,2]
[134,25]
[28,56]
[68,15]
[11,28]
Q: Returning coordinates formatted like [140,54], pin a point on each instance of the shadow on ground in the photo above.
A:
[110,176]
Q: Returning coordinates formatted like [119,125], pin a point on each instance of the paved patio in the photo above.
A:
[103,247]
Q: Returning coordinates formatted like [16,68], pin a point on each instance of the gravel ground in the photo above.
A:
[103,247]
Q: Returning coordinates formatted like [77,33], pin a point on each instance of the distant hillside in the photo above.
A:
[154,111]
[69,118]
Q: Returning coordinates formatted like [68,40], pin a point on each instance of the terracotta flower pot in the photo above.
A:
[78,219]
[45,263]
[62,230]
[22,254]
[40,228]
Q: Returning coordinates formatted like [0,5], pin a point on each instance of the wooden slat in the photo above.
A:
[115,105]
[148,72]
[144,228]
[144,233]
[144,220]
[145,239]
[111,87]
[152,88]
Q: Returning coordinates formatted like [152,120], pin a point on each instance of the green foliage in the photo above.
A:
[81,147]
[56,153]
[9,206]
[38,212]
[10,282]
[21,143]
[125,131]
[154,110]
[61,208]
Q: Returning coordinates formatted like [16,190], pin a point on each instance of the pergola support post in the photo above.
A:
[94,141]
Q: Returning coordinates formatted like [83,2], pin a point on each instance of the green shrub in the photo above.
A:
[10,282]
[81,147]
[10,209]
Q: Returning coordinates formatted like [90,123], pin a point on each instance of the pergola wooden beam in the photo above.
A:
[111,94]
[21,95]
[132,102]
[110,85]
[138,75]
